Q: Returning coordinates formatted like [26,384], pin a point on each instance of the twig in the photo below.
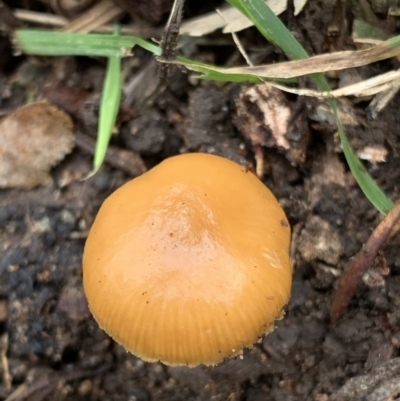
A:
[169,42]
[125,160]
[237,42]
[350,280]
[171,32]
[168,49]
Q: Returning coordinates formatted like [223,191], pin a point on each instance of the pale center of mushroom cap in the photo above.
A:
[181,217]
[178,245]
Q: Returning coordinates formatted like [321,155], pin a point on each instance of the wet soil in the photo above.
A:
[52,346]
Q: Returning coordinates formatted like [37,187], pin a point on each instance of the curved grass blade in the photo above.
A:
[275,31]
[109,106]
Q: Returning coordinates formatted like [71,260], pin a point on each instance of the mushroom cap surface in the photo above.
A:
[189,262]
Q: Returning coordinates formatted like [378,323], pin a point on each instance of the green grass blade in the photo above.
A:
[109,106]
[51,43]
[270,26]
[368,185]
[212,72]
[276,32]
[215,73]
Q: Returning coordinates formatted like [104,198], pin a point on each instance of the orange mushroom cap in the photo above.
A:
[189,262]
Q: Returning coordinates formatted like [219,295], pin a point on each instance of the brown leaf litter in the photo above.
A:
[33,139]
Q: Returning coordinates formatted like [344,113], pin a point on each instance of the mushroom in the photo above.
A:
[188,263]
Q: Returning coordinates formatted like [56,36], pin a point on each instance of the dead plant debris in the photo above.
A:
[32,140]
[264,117]
[350,280]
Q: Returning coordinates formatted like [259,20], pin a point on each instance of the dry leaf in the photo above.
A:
[389,81]
[231,19]
[263,116]
[32,140]
[264,113]
[322,63]
[373,154]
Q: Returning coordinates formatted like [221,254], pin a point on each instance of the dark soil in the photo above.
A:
[53,347]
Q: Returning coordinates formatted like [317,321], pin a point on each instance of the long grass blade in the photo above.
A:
[109,106]
[276,32]
[51,43]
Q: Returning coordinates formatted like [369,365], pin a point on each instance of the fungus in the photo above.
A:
[188,263]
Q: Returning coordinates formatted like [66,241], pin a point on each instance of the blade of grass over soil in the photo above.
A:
[109,106]
[50,43]
[270,26]
[275,31]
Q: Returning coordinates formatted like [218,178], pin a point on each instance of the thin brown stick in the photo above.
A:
[168,46]
[171,32]
[125,160]
[350,280]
